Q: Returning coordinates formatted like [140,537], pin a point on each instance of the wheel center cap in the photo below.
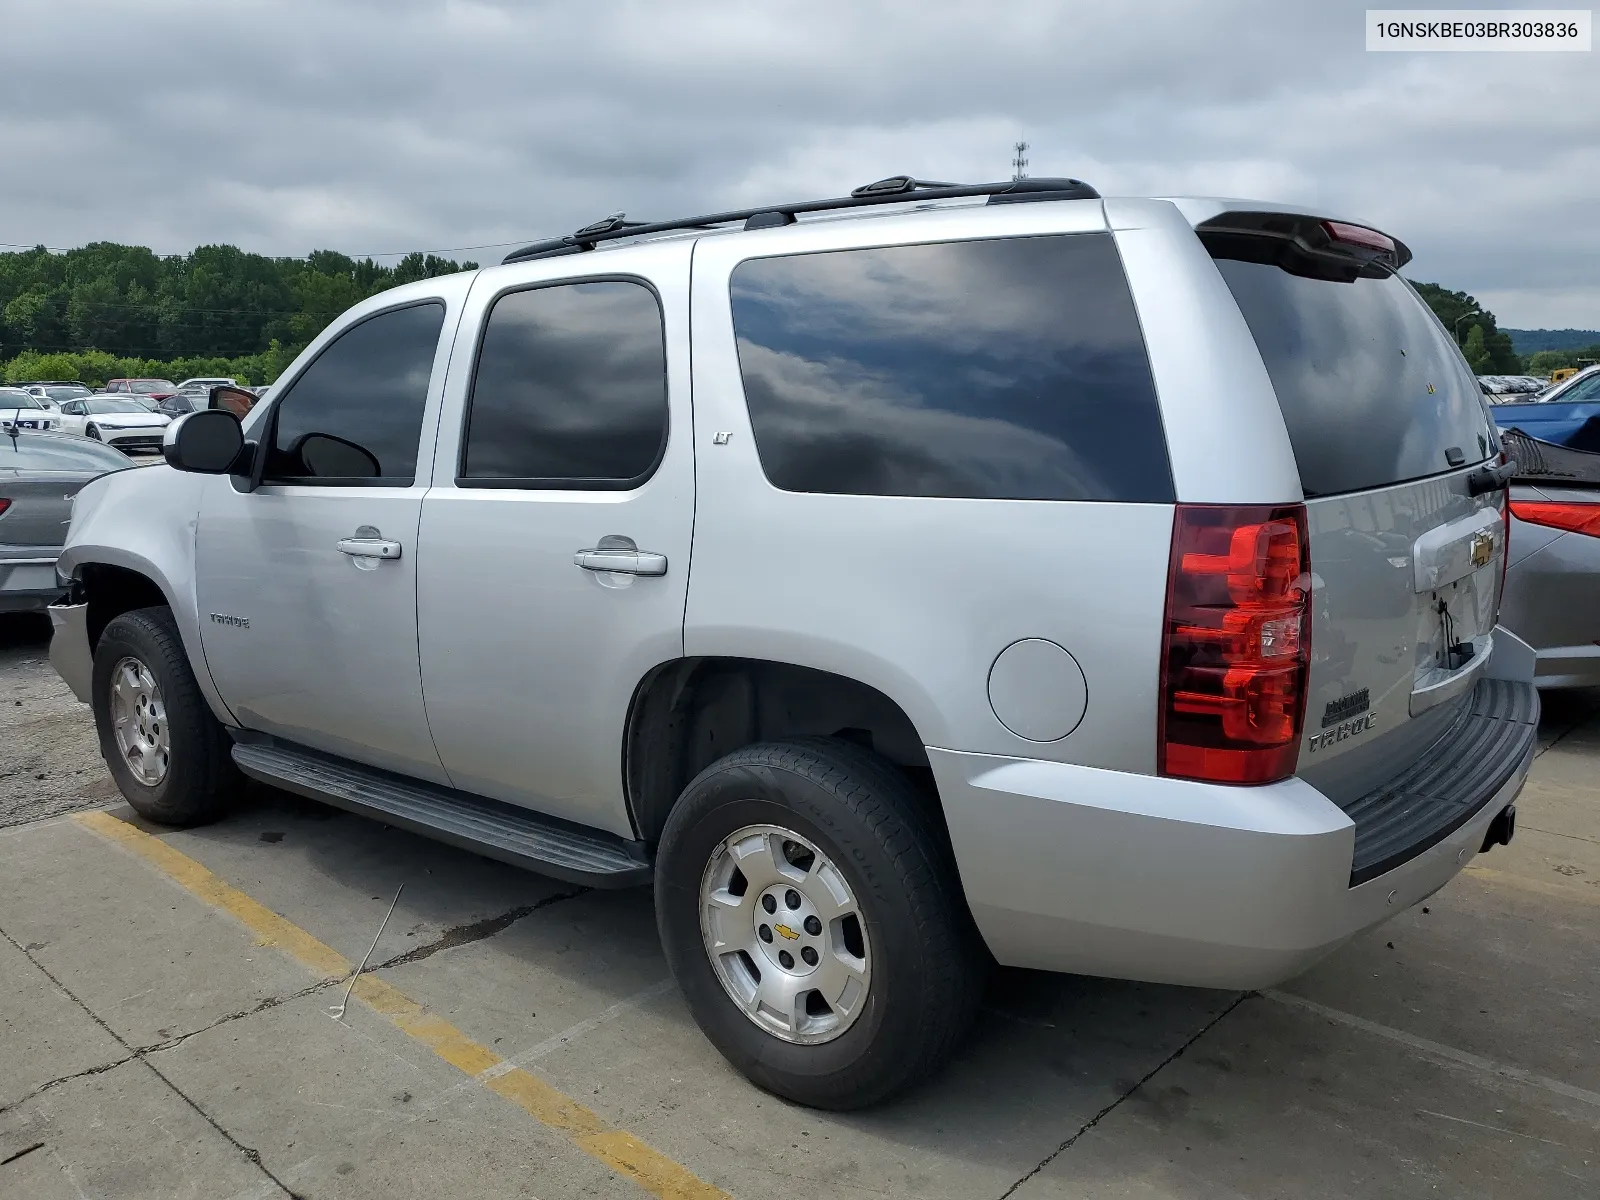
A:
[788,930]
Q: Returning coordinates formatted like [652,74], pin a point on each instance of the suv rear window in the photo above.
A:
[1372,390]
[997,369]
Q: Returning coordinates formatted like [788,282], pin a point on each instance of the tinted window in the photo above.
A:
[107,405]
[1372,390]
[18,400]
[355,414]
[1009,369]
[571,388]
[48,454]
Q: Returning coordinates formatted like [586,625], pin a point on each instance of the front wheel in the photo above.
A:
[814,923]
[168,754]
[94,432]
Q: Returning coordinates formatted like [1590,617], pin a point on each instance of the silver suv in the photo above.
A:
[903,582]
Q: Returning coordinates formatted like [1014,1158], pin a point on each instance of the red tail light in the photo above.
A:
[1237,646]
[4,504]
[1359,235]
[1574,518]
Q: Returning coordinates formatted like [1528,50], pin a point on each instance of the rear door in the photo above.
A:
[554,545]
[1388,426]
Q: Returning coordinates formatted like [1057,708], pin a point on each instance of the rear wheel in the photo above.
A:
[168,753]
[815,924]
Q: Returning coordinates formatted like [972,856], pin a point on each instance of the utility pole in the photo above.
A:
[1019,164]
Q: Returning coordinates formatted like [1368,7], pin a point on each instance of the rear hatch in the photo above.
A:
[1389,429]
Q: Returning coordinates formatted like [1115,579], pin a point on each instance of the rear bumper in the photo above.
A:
[28,581]
[1095,872]
[70,652]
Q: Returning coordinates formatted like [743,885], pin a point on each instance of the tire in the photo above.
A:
[93,431]
[182,772]
[914,940]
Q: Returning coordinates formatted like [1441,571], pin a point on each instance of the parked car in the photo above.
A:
[1509,388]
[39,475]
[1568,415]
[120,421]
[206,383]
[1080,582]
[53,393]
[155,389]
[184,400]
[20,410]
[1552,595]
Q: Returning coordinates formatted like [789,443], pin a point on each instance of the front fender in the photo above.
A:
[143,520]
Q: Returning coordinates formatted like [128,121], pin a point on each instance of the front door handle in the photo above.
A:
[622,561]
[368,547]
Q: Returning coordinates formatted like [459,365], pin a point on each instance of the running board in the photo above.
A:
[505,832]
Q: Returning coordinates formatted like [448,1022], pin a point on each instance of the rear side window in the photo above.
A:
[1002,369]
[570,389]
[354,416]
[1372,390]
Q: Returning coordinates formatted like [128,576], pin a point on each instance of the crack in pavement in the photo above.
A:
[259,1007]
[45,1087]
[477,931]
[1108,1109]
[23,1153]
[249,1152]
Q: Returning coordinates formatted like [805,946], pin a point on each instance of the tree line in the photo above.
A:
[106,310]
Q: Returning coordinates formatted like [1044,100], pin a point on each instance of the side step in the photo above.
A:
[501,831]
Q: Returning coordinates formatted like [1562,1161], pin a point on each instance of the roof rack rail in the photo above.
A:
[897,189]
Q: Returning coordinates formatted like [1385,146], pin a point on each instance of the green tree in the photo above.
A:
[1460,314]
[1477,351]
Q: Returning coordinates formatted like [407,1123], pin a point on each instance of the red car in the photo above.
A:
[148,389]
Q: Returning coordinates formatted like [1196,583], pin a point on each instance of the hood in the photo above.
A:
[129,420]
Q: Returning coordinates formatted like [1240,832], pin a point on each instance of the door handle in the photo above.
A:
[364,547]
[621,561]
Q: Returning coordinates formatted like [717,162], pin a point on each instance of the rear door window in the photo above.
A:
[996,369]
[1372,389]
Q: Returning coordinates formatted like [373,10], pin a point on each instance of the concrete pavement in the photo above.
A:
[159,1037]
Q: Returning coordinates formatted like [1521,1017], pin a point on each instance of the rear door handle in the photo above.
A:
[623,562]
[361,547]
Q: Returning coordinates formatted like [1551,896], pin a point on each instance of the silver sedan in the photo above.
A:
[40,473]
[1552,598]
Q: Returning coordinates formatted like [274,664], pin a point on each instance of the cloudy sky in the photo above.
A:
[380,126]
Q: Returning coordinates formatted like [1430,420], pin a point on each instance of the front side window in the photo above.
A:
[354,416]
[998,369]
[570,389]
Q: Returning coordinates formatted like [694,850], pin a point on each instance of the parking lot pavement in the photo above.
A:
[165,1030]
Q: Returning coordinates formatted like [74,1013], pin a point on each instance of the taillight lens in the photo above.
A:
[1359,235]
[1556,514]
[4,504]
[1237,646]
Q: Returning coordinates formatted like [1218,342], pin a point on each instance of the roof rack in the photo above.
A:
[897,189]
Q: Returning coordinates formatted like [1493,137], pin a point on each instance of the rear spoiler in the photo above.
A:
[1545,463]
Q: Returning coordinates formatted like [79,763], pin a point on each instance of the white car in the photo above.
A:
[116,421]
[207,382]
[54,394]
[19,410]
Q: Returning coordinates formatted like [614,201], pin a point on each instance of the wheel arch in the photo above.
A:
[689,712]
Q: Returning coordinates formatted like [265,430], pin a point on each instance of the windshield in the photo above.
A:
[18,400]
[58,394]
[145,386]
[43,452]
[1372,390]
[107,404]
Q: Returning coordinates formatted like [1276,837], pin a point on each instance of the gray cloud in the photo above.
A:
[389,125]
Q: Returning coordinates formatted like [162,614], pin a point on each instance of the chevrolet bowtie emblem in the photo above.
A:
[786,932]
[1482,548]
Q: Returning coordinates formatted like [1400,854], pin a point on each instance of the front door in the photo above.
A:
[555,542]
[307,585]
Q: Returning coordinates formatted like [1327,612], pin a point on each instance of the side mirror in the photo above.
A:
[206,443]
[236,400]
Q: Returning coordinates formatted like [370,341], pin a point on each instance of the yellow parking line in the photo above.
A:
[616,1148]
